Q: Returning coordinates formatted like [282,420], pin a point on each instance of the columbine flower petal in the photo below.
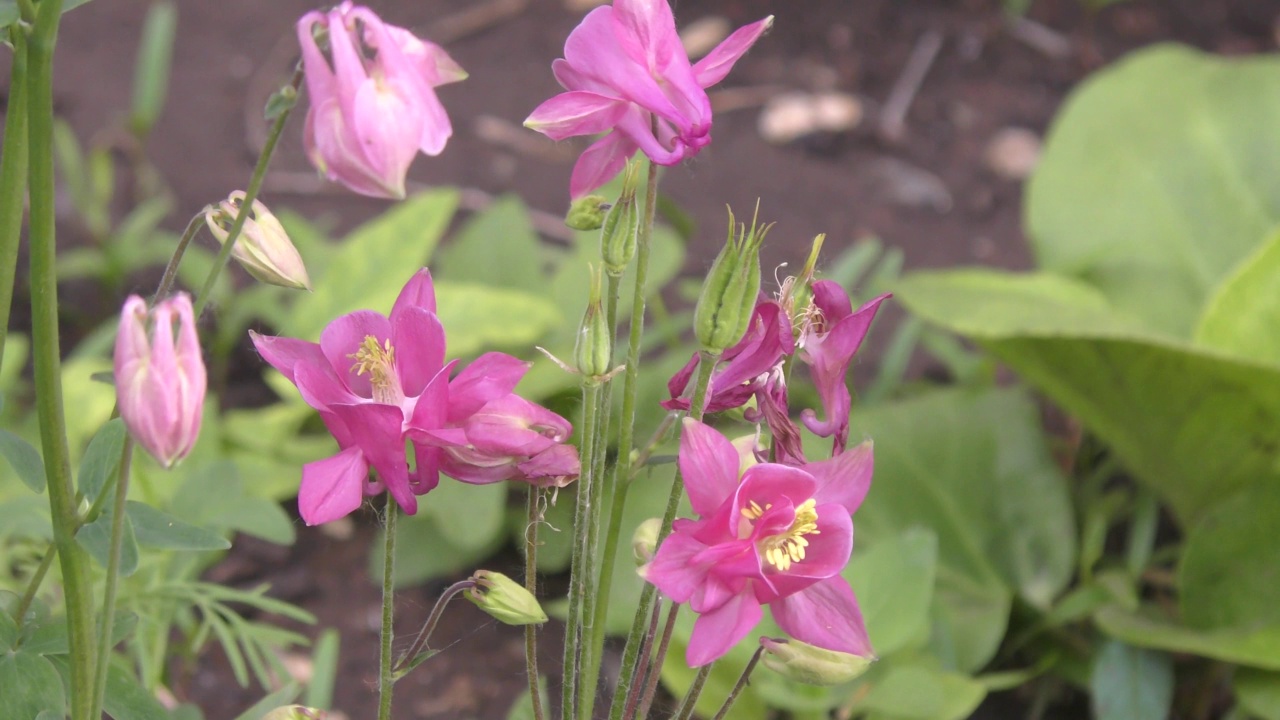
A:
[333,487]
[826,615]
[715,632]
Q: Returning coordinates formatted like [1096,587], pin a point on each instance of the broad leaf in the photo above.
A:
[30,685]
[894,583]
[1155,183]
[1258,692]
[469,515]
[101,459]
[1256,647]
[96,539]
[1131,683]
[482,316]
[160,530]
[497,247]
[24,459]
[1230,571]
[1243,316]
[918,692]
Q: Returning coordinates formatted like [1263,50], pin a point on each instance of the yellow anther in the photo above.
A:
[786,548]
[379,362]
[754,511]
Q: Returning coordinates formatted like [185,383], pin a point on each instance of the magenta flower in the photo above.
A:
[779,536]
[160,383]
[827,346]
[743,368]
[373,106]
[625,72]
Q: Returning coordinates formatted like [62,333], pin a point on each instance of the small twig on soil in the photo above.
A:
[1038,36]
[474,19]
[893,127]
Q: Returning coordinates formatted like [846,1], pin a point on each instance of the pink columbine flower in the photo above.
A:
[160,383]
[743,368]
[779,536]
[625,72]
[373,106]
[827,346]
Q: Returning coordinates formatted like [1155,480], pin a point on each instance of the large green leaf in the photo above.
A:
[374,262]
[920,692]
[1157,179]
[101,459]
[1258,692]
[95,537]
[894,581]
[24,459]
[1131,683]
[30,685]
[478,316]
[159,529]
[1242,318]
[1230,572]
[1256,647]
[1195,425]
[497,247]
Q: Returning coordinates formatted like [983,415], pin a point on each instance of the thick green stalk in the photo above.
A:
[113,576]
[579,580]
[531,584]
[386,681]
[47,358]
[13,178]
[250,194]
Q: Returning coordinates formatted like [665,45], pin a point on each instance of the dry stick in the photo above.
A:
[655,671]
[893,117]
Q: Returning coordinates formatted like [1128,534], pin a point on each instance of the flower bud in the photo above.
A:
[811,665]
[160,382]
[729,294]
[262,248]
[587,213]
[644,541]
[621,226]
[505,599]
[295,712]
[594,350]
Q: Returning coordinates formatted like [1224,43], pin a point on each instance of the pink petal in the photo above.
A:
[672,570]
[832,300]
[716,65]
[284,354]
[599,49]
[488,377]
[377,430]
[343,337]
[333,487]
[387,120]
[709,463]
[557,466]
[418,339]
[419,292]
[318,73]
[717,631]
[845,478]
[677,385]
[826,615]
[600,163]
[768,483]
[829,548]
[576,113]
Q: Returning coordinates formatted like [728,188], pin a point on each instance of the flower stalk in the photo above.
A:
[106,617]
[386,680]
[531,584]
[13,178]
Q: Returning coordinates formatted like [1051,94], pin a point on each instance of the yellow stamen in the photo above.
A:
[782,550]
[379,362]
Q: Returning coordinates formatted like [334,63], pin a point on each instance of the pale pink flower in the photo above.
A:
[626,72]
[160,382]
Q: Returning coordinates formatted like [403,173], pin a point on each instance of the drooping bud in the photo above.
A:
[812,665]
[505,599]
[263,248]
[587,213]
[295,712]
[644,541]
[621,226]
[729,294]
[594,350]
[160,382]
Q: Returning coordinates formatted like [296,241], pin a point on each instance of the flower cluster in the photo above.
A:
[380,382]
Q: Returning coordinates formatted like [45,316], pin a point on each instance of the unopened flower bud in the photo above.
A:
[621,226]
[587,213]
[729,294]
[594,350]
[811,665]
[263,248]
[295,712]
[160,380]
[644,541]
[505,599]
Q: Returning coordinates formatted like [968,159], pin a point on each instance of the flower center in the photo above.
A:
[787,547]
[379,362]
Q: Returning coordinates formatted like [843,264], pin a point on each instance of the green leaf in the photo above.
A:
[281,697]
[30,685]
[8,13]
[894,583]
[1256,647]
[908,692]
[374,262]
[24,459]
[497,247]
[101,459]
[482,316]
[324,670]
[96,539]
[1163,149]
[1242,317]
[1130,683]
[1258,692]
[469,515]
[160,530]
[8,630]
[69,5]
[414,566]
[127,699]
[50,635]
[151,72]
[1230,571]
[1193,425]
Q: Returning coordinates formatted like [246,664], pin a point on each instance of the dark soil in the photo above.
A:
[232,53]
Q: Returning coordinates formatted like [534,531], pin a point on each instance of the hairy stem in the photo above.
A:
[695,690]
[655,669]
[112,580]
[531,584]
[386,681]
[579,580]
[429,627]
[738,686]
[13,178]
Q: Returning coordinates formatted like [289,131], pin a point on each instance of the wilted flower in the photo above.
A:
[743,368]
[625,72]
[779,536]
[263,248]
[373,106]
[160,382]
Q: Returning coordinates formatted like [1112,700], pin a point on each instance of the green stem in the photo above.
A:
[579,579]
[27,9]
[13,178]
[737,688]
[250,194]
[655,669]
[46,354]
[659,435]
[34,584]
[386,681]
[531,584]
[695,690]
[112,580]
[706,366]
[429,627]
[170,275]
[633,692]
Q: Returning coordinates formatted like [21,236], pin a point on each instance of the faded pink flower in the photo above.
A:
[373,106]
[827,346]
[626,72]
[778,536]
[743,368]
[160,382]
